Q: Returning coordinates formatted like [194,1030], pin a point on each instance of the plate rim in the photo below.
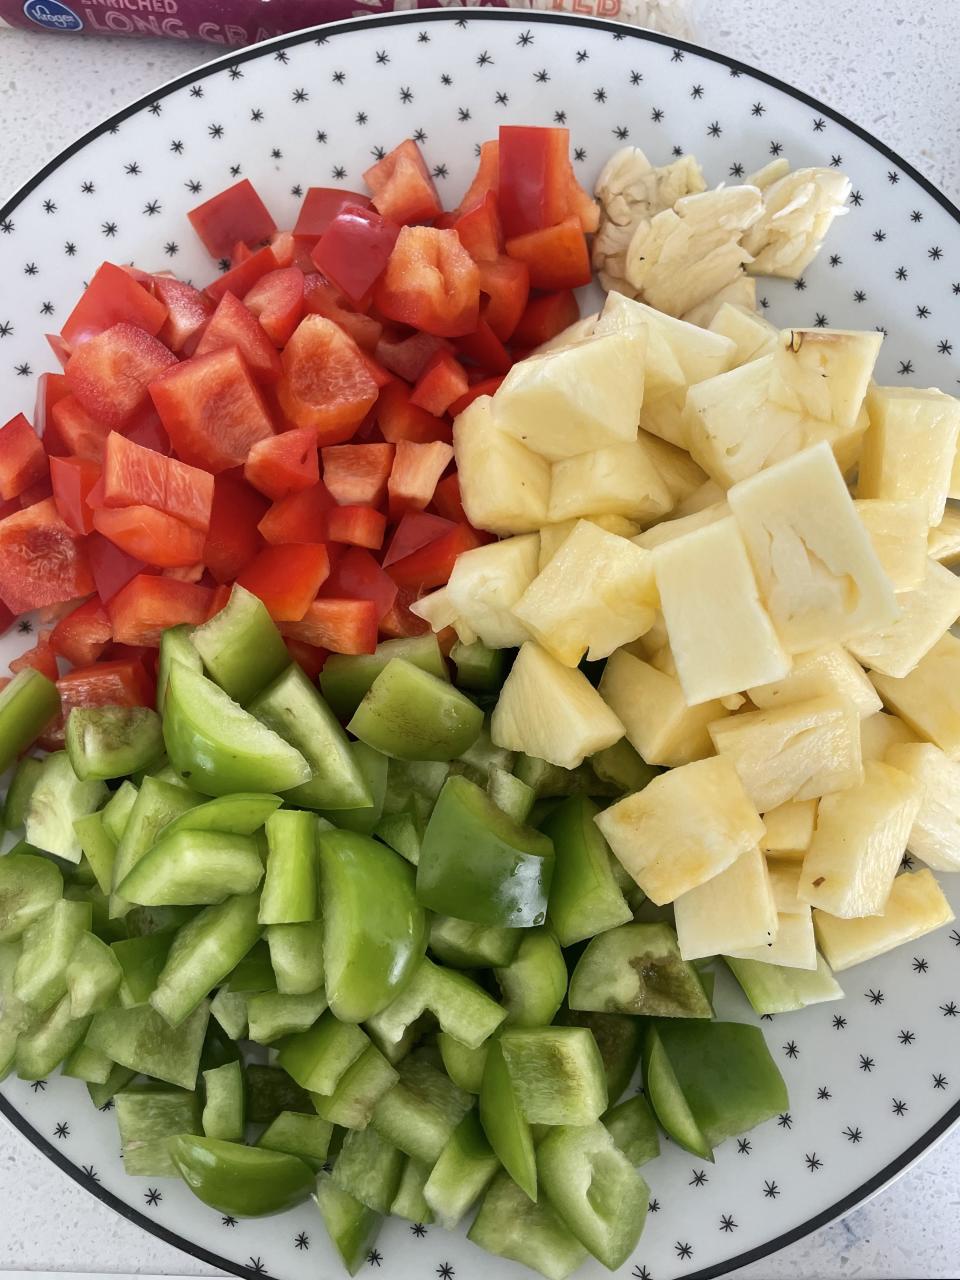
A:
[902,1163]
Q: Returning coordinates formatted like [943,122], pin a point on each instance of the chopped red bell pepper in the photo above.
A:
[415,530]
[357,576]
[534,186]
[416,470]
[399,419]
[354,249]
[212,410]
[357,473]
[399,623]
[479,229]
[240,253]
[277,302]
[150,535]
[22,460]
[188,310]
[36,493]
[232,325]
[487,177]
[121,682]
[357,526]
[326,383]
[72,480]
[402,187]
[82,636]
[408,357]
[240,279]
[432,564]
[284,248]
[287,578]
[59,348]
[109,373]
[307,656]
[42,657]
[233,538]
[446,498]
[81,434]
[320,206]
[545,317]
[42,561]
[340,626]
[557,257]
[112,297]
[321,298]
[442,382]
[300,517]
[51,387]
[218,598]
[506,285]
[111,568]
[149,605]
[147,430]
[430,283]
[485,349]
[235,214]
[284,464]
[485,387]
[134,476]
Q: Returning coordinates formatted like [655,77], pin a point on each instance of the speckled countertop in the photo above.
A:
[891,65]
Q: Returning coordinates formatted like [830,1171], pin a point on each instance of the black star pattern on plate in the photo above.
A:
[281,56]
[653,1206]
[321,136]
[62,1130]
[6,328]
[484,59]
[853,1135]
[922,314]
[171,248]
[193,186]
[107,1106]
[90,1172]
[461,22]
[418,1229]
[916,215]
[302,1241]
[228,1220]
[898,1106]
[878,235]
[256,115]
[757,109]
[824,1094]
[374,1258]
[235,73]
[152,207]
[696,91]
[935,253]
[714,130]
[7,226]
[641,1273]
[920,965]
[300,95]
[906,1037]
[49,206]
[836,161]
[866,1064]
[727,1222]
[821,321]
[339,172]
[875,997]
[46,308]
[791,1049]
[406,93]
[420,136]
[234,171]
[108,228]
[678,150]
[132,170]
[743,1146]
[114,129]
[771,1190]
[949,1010]
[776,148]
[31,269]
[800,284]
[736,170]
[901,273]
[940,1081]
[525,38]
[956,286]
[502,99]
[176,146]
[256,1266]
[339,77]
[446,79]
[215,130]
[155,108]
[621,132]
[152,1196]
[813,1162]
[196,91]
[276,154]
[677,55]
[859,296]
[600,95]
[656,115]
[906,367]
[785,1120]
[23,370]
[579,154]
[445,1271]
[945,347]
[87,188]
[382,57]
[683,1250]
[463,114]
[440,171]
[698,1179]
[636,77]
[25,626]
[423,37]
[297,190]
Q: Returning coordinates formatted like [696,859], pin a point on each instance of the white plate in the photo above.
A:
[873,1080]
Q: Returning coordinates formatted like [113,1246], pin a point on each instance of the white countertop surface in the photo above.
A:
[891,66]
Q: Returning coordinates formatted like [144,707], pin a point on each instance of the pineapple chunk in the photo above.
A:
[576,332]
[553,536]
[769,173]
[818,573]
[596,593]
[794,946]
[732,912]
[683,828]
[916,906]
[789,829]
[577,398]
[817,674]
[881,732]
[798,210]
[752,335]
[708,495]
[438,609]
[909,449]
[504,487]
[935,836]
[651,706]
[676,468]
[925,614]
[663,416]
[943,542]
[551,711]
[662,371]
[898,532]
[653,642]
[799,752]
[619,479]
[928,699]
[722,638]
[861,837]
[667,530]
[488,581]
[740,292]
[824,373]
[785,884]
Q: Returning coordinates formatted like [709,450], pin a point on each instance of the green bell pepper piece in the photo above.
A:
[116,812]
[594,1189]
[619,1038]
[511,795]
[461,944]
[351,1226]
[292,708]
[318,1058]
[414,783]
[478,668]
[409,1203]
[551,781]
[193,868]
[557,1073]
[773,988]
[29,886]
[481,756]
[289,894]
[15,1016]
[99,847]
[86,1064]
[224,1107]
[27,705]
[24,779]
[622,767]
[511,1225]
[634,1129]
[296,955]
[253,972]
[373,768]
[176,645]
[204,951]
[241,647]
[240,1181]
[140,1039]
[296,1134]
[460,1006]
[403,832]
[229,1009]
[345,678]
[141,961]
[44,1044]
[463,1171]
[271,1016]
[421,1111]
[375,931]
[149,1119]
[358,1091]
[93,976]
[57,799]
[270,1091]
[637,968]
[111,742]
[477,864]
[534,983]
[119,1078]
[48,945]
[369,1169]
[241,814]
[217,747]
[585,898]
[411,714]
[504,1123]
[463,1065]
[155,805]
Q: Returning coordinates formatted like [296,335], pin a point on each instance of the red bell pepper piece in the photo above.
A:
[235,214]
[111,568]
[240,253]
[415,530]
[287,578]
[430,283]
[212,410]
[340,626]
[485,387]
[72,480]
[479,229]
[545,317]
[357,473]
[442,382]
[358,526]
[149,605]
[354,249]
[51,387]
[399,419]
[241,278]
[36,493]
[485,349]
[446,498]
[22,460]
[307,656]
[233,537]
[432,564]
[41,657]
[284,464]
[122,682]
[534,186]
[408,357]
[300,517]
[557,257]
[402,187]
[325,383]
[151,535]
[109,374]
[320,206]
[506,286]
[232,325]
[321,298]
[135,476]
[82,635]
[188,310]
[399,623]
[59,348]
[42,561]
[416,470]
[277,302]
[487,177]
[357,576]
[81,434]
[147,430]
[218,598]
[284,248]
[112,297]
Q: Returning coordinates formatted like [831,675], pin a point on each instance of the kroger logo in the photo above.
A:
[53,15]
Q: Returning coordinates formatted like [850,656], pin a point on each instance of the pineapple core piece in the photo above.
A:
[909,449]
[798,752]
[683,828]
[928,699]
[925,614]
[751,334]
[651,705]
[860,839]
[936,829]
[794,946]
[487,582]
[943,542]
[577,398]
[553,536]
[798,209]
[732,912]
[916,906]
[619,479]
[824,373]
[819,575]
[504,487]
[789,829]
[816,675]
[722,638]
[551,711]
[899,534]
[596,593]
[881,732]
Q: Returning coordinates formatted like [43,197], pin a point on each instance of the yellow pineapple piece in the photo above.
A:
[683,828]
[880,732]
[818,573]
[910,448]
[721,636]
[575,332]
[794,946]
[916,906]
[860,839]
[662,370]
[438,609]
[504,487]
[553,536]
[824,373]
[732,912]
[898,532]
[798,752]
[575,399]
[752,335]
[740,292]
[845,442]
[676,468]
[925,614]
[667,530]
[943,542]
[619,479]
[798,209]
[785,884]
[488,581]
[652,709]
[928,699]
[789,829]
[652,642]
[708,495]
[596,593]
[551,711]
[935,836]
[816,674]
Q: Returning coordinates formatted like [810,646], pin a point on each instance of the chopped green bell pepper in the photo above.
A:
[461,944]
[289,894]
[229,1009]
[463,1170]
[15,1016]
[27,705]
[29,886]
[224,1104]
[116,812]
[193,868]
[619,1038]
[141,962]
[119,1078]
[241,647]
[511,795]
[622,767]
[504,1124]
[351,1226]
[176,645]
[409,713]
[271,1016]
[773,988]
[459,1004]
[296,1134]
[154,806]
[24,779]
[44,1044]
[296,955]
[99,847]
[585,898]
[550,781]
[345,678]
[140,1039]
[463,1065]
[93,976]
[86,1064]
[511,1225]
[421,1111]
[557,1074]
[481,756]
[48,946]
[478,668]
[369,1169]
[270,1092]
[243,1181]
[534,983]
[318,1058]
[359,1089]
[637,968]
[253,972]
[373,769]
[149,1119]
[633,1128]
[204,951]
[241,814]
[58,798]
[409,1202]
[111,742]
